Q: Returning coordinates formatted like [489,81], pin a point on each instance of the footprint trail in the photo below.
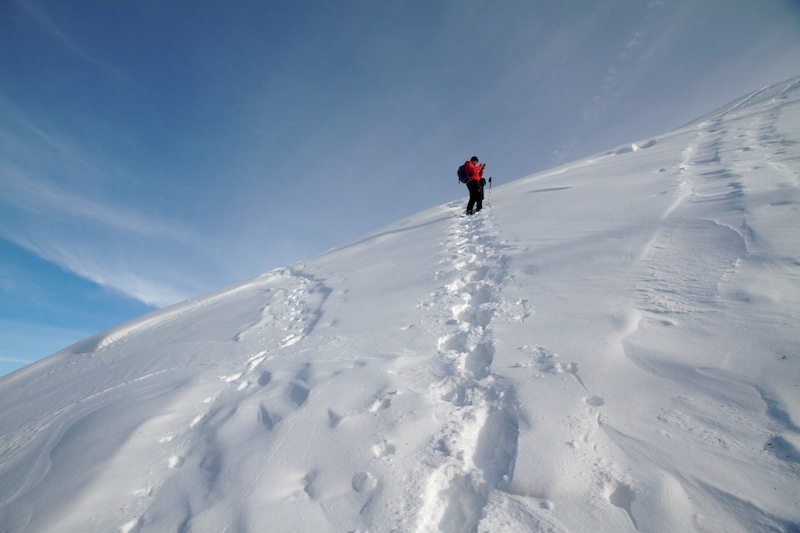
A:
[475,450]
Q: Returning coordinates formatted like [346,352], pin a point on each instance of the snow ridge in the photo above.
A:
[476,447]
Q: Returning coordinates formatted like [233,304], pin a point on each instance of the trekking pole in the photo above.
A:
[490,192]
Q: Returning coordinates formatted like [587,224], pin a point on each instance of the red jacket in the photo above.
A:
[474,172]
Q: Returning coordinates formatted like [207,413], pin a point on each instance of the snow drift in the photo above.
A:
[611,345]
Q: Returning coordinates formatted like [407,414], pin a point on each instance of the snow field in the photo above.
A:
[611,346]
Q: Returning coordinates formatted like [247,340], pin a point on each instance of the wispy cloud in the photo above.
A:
[66,203]
[108,245]
[155,276]
[29,139]
[40,197]
[157,283]
[15,360]
[627,60]
[40,15]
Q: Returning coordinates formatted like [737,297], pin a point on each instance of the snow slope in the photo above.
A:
[609,346]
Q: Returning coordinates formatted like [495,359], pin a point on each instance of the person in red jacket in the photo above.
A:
[474,184]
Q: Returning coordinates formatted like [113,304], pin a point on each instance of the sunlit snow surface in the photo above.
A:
[609,346]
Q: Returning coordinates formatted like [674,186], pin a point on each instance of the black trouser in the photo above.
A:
[475,196]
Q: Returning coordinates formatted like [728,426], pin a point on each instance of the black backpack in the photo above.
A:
[462,174]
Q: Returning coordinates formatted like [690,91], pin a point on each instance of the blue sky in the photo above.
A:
[154,151]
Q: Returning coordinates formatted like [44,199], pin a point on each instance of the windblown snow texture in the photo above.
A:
[611,346]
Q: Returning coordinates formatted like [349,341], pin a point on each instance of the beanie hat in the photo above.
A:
[474,159]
